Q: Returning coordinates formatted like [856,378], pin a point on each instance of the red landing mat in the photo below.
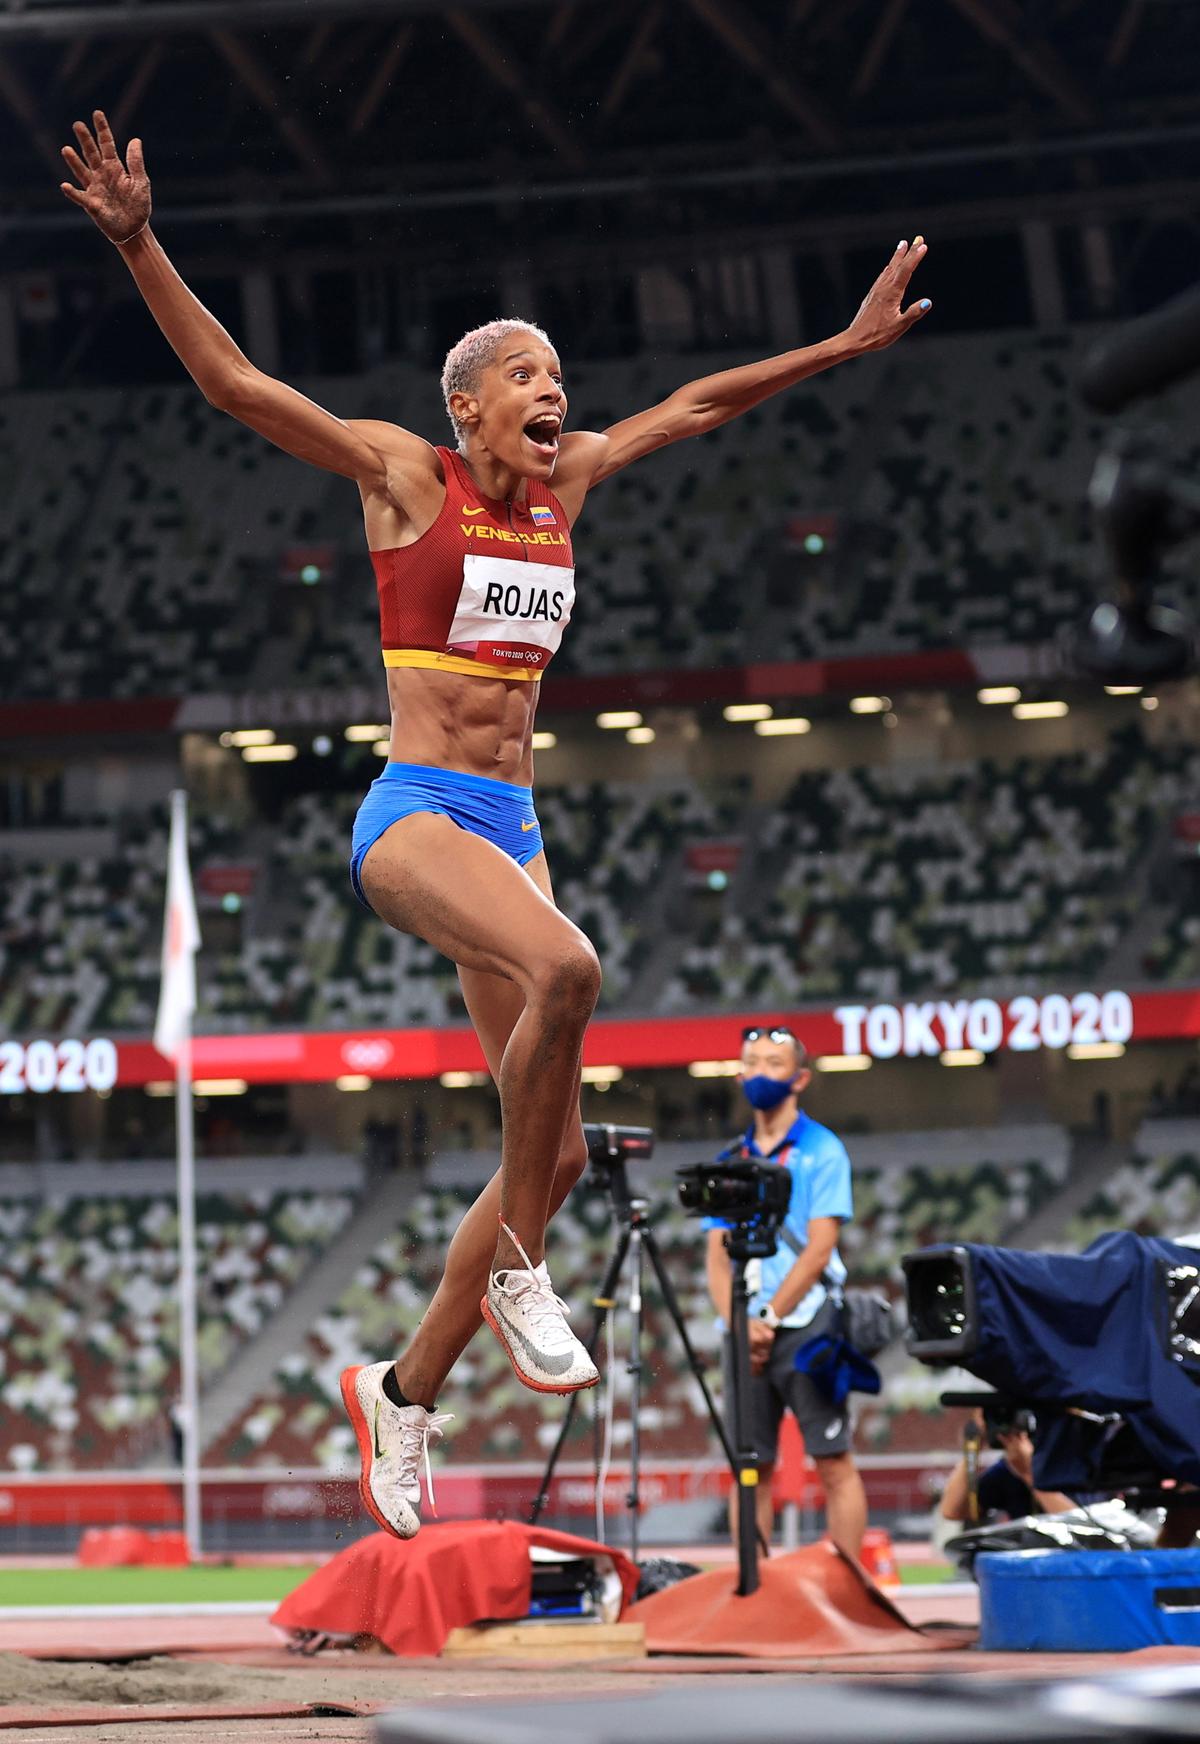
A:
[811,1602]
[410,1594]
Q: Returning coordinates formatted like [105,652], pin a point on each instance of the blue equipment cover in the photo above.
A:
[1088,1601]
[1090,1330]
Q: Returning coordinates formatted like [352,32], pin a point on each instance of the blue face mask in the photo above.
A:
[766,1093]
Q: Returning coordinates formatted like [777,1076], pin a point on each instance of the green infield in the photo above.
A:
[926,1574]
[147,1586]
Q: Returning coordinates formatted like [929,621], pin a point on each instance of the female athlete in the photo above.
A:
[472,553]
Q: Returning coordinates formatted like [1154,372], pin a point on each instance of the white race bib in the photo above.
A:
[511,613]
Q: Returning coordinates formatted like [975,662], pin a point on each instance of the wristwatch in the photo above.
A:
[769,1315]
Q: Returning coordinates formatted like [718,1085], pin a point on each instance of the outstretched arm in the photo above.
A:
[116,196]
[587,458]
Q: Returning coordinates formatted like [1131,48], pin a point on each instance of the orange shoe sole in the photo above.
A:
[534,1386]
[366,1450]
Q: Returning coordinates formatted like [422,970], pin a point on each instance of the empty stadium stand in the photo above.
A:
[145,539]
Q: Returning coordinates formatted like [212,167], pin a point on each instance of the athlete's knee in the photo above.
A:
[570,982]
[572,1159]
[836,1469]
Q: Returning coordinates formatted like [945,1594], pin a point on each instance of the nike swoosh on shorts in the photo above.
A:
[527,827]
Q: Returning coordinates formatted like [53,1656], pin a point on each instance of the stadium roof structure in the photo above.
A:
[630,116]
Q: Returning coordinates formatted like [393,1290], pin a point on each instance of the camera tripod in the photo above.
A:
[636,1238]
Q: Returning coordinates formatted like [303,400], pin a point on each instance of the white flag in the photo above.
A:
[181,941]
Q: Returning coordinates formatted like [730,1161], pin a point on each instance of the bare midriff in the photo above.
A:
[477,726]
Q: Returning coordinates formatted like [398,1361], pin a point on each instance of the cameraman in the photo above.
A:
[789,1298]
[1006,1489]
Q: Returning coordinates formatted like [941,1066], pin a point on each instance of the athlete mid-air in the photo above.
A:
[472,552]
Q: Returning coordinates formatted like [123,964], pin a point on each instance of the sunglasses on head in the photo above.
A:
[757,1033]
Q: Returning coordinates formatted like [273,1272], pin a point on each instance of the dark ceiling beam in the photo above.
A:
[1002,22]
[296,131]
[381,79]
[441,258]
[74,56]
[350,51]
[28,111]
[741,36]
[589,28]
[139,82]
[128,18]
[540,113]
[632,60]
[875,53]
[615,182]
[314,48]
[1126,29]
[559,25]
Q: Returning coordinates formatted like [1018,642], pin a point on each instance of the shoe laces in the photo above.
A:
[414,1441]
[531,1290]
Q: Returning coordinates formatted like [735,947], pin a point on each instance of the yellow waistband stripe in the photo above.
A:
[430,659]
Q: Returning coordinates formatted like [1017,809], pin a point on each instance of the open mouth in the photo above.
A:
[542,433]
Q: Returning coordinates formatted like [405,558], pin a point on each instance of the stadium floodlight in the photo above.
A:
[962,1057]
[602,1074]
[870,705]
[748,711]
[782,725]
[545,741]
[641,735]
[842,1062]
[994,693]
[270,753]
[364,733]
[1041,711]
[613,720]
[246,736]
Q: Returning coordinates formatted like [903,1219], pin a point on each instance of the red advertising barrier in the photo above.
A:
[1087,1023]
[86,1499]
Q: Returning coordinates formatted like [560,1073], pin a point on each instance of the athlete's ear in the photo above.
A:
[464,409]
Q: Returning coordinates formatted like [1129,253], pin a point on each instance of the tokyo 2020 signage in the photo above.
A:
[1022,1025]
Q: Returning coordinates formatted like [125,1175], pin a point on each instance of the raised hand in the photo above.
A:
[881,320]
[115,195]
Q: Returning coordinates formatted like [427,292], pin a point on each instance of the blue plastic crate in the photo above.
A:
[1088,1601]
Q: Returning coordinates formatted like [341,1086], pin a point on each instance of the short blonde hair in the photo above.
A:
[475,352]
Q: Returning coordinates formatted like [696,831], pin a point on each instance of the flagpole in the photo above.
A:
[185,1143]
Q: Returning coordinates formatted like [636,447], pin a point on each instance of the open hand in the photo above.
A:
[881,320]
[115,195]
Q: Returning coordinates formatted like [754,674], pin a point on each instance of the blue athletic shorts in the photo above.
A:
[499,811]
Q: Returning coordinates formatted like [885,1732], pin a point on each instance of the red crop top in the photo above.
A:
[487,590]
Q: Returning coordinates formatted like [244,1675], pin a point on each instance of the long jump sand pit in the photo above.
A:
[150,1680]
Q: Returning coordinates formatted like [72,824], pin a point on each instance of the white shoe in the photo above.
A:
[393,1445]
[531,1323]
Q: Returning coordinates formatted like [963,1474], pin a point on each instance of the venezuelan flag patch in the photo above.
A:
[542,516]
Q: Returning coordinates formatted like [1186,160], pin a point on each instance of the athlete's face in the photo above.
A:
[520,406]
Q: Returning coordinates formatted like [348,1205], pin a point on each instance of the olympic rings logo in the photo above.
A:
[368,1053]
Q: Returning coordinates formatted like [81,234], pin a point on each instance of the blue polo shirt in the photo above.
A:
[817,1161]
